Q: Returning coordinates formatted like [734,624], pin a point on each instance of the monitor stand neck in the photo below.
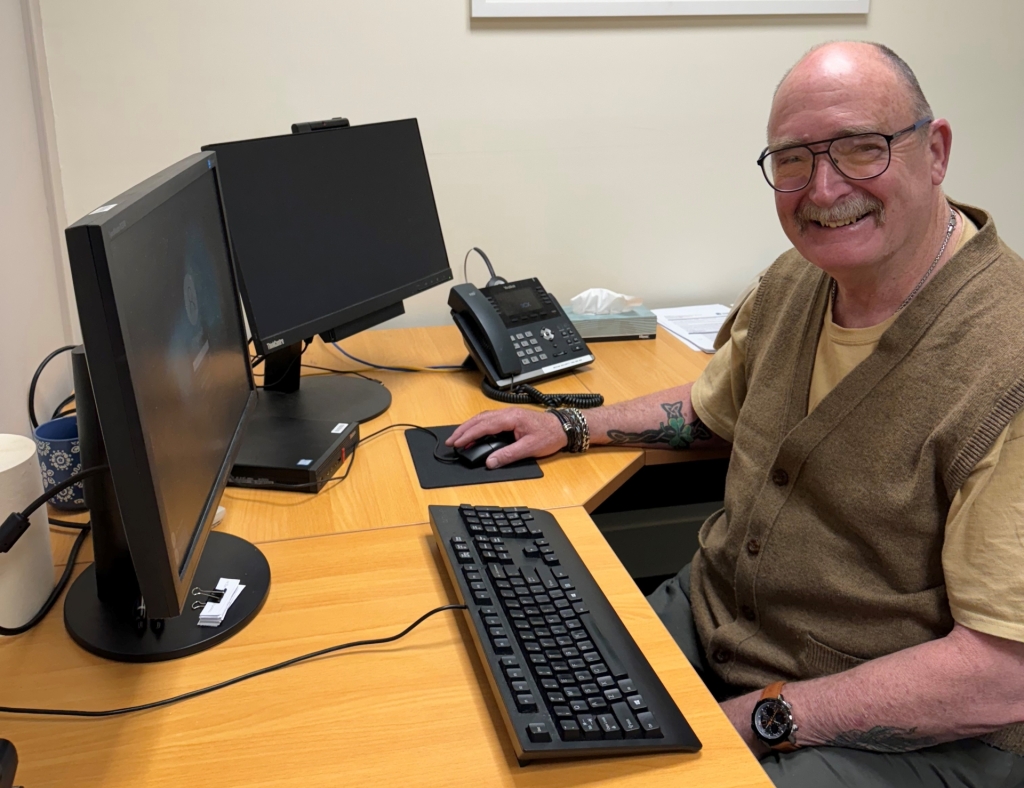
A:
[282,369]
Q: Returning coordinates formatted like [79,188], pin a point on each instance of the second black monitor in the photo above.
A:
[330,228]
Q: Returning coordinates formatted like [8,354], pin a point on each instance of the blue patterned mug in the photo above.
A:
[60,458]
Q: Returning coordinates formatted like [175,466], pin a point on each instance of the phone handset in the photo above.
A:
[483,326]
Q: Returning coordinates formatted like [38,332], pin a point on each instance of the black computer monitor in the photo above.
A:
[330,231]
[163,391]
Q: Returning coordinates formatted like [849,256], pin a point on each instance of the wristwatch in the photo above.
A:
[772,719]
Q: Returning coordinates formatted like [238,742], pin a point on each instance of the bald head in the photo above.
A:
[844,59]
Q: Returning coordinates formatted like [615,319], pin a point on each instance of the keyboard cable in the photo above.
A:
[237,680]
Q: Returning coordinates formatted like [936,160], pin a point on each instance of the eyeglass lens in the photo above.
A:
[858,157]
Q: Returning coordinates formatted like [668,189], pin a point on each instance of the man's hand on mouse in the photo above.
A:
[538,434]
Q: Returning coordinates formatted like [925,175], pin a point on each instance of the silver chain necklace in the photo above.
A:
[935,262]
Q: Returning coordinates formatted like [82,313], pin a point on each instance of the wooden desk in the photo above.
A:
[414,712]
[358,562]
[384,463]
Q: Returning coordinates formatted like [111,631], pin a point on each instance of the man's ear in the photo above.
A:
[940,142]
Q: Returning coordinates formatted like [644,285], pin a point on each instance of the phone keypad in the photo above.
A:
[551,345]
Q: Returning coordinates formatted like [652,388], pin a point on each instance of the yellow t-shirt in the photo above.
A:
[983,547]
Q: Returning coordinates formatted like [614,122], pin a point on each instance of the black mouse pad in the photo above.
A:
[433,474]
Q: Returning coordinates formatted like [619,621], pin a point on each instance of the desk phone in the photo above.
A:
[517,332]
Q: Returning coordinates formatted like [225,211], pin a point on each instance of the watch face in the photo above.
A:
[772,720]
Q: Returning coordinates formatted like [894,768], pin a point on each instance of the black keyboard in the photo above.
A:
[569,679]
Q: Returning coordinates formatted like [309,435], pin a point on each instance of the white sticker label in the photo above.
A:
[104,208]
[340,428]
[304,462]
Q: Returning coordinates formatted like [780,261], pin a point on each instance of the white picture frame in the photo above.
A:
[593,8]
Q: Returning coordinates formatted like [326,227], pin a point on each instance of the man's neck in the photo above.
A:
[868,297]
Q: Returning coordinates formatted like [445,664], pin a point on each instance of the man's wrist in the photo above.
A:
[574,425]
[772,719]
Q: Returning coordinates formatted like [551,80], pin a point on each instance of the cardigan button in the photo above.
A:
[721,656]
[780,477]
[754,546]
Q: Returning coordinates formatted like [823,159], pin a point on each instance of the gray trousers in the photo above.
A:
[968,763]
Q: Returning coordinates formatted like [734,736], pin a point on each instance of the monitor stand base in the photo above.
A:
[334,398]
[102,631]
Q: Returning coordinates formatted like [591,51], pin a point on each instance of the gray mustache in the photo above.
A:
[850,210]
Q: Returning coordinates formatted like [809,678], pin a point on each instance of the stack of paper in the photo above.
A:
[697,326]
[213,613]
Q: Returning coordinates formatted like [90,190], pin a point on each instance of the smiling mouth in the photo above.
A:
[851,212]
[834,225]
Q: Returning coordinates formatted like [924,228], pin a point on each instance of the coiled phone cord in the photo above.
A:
[525,394]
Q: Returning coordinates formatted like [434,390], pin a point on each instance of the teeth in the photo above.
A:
[834,225]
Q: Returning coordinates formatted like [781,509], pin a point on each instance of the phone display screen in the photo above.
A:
[518,302]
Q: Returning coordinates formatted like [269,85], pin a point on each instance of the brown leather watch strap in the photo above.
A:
[773,690]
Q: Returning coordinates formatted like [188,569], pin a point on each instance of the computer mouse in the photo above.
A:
[476,455]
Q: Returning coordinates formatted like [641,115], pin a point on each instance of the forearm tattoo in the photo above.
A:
[883,739]
[675,432]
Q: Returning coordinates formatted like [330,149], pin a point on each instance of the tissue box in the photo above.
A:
[636,323]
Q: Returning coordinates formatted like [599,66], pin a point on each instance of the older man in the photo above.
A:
[860,599]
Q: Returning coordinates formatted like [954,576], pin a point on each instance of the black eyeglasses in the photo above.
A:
[858,157]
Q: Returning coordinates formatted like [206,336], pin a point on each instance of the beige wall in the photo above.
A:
[616,153]
[34,315]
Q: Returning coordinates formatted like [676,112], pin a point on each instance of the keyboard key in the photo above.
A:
[636,703]
[502,646]
[609,726]
[597,703]
[611,659]
[570,730]
[612,695]
[590,689]
[520,686]
[563,712]
[580,706]
[538,732]
[630,727]
[589,726]
[605,682]
[626,685]
[652,730]
[515,674]
[556,697]
[525,702]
